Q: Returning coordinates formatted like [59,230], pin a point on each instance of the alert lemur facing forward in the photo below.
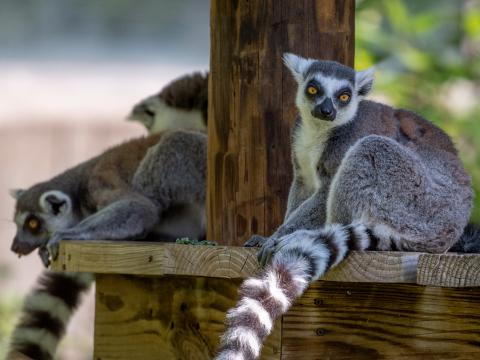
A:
[148,186]
[366,176]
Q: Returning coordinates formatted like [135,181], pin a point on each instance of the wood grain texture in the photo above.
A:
[377,267]
[142,258]
[165,318]
[450,270]
[389,321]
[152,258]
[251,108]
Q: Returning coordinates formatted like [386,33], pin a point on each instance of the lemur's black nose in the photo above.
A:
[325,111]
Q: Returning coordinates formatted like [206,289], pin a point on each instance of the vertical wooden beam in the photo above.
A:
[251,107]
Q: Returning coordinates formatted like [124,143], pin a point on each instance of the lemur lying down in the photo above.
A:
[367,176]
[153,185]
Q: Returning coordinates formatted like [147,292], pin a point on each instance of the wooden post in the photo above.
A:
[251,107]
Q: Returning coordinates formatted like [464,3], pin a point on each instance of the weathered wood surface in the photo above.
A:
[388,321]
[141,258]
[449,270]
[165,318]
[182,318]
[251,107]
[147,258]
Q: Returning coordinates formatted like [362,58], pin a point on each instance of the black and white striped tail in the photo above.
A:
[46,312]
[306,256]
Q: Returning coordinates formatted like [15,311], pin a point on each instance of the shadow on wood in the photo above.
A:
[164,318]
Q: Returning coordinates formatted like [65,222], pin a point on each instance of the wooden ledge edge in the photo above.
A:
[158,259]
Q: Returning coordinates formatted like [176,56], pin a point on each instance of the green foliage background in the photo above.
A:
[427,55]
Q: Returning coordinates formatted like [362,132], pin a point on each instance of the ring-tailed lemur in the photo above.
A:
[390,177]
[183,103]
[149,185]
[51,207]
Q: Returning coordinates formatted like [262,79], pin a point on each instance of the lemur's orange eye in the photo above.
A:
[33,224]
[312,90]
[344,97]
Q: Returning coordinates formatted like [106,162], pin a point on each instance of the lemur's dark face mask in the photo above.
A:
[31,235]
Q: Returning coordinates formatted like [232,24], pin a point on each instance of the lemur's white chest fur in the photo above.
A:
[167,117]
[309,144]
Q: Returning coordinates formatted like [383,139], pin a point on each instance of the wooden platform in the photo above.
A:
[168,301]
[141,258]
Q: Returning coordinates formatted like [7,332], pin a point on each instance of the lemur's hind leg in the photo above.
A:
[174,170]
[390,189]
[173,176]
[131,216]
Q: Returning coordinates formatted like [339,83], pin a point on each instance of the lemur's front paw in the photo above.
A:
[53,244]
[267,251]
[255,241]
[44,256]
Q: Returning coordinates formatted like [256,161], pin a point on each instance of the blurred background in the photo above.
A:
[70,71]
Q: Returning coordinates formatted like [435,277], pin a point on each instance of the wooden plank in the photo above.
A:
[377,267]
[251,108]
[151,258]
[142,258]
[165,318]
[451,270]
[389,321]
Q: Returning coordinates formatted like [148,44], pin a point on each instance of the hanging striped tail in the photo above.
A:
[306,256]
[46,313]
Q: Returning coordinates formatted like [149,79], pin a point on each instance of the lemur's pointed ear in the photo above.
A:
[364,81]
[297,65]
[16,193]
[55,202]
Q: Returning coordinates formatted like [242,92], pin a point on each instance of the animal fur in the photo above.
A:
[159,178]
[366,176]
[183,103]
